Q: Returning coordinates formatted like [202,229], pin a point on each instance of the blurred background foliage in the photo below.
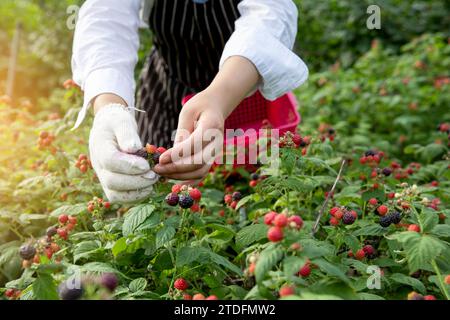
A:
[329,31]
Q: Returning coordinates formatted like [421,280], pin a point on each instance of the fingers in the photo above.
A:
[192,175]
[190,163]
[127,138]
[122,182]
[127,196]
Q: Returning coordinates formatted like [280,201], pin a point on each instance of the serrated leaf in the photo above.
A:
[98,267]
[119,246]
[138,284]
[420,249]
[164,235]
[135,217]
[428,220]
[85,249]
[403,279]
[72,210]
[44,287]
[251,234]
[370,230]
[291,265]
[441,230]
[268,258]
[331,269]
[352,242]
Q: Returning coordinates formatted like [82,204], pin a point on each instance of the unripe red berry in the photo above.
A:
[198,296]
[280,220]
[334,221]
[195,194]
[360,254]
[180,284]
[63,218]
[414,227]
[275,234]
[269,217]
[373,201]
[286,290]
[295,222]
[382,210]
[305,270]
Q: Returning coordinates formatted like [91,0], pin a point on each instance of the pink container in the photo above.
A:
[255,112]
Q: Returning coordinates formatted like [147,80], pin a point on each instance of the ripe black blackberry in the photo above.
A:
[155,157]
[186,201]
[385,221]
[348,218]
[142,153]
[395,217]
[27,252]
[254,176]
[51,231]
[172,199]
[66,292]
[387,172]
[370,153]
[236,196]
[110,281]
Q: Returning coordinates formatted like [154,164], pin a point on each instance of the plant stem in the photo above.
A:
[442,285]
[330,193]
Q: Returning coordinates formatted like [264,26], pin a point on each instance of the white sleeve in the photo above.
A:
[105,48]
[265,34]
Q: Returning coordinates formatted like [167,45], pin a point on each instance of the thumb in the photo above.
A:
[127,137]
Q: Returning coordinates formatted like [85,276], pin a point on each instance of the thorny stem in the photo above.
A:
[442,285]
[330,193]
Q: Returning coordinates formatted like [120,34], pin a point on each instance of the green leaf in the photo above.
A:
[370,230]
[164,235]
[98,267]
[135,217]
[119,246]
[72,210]
[378,194]
[268,258]
[85,249]
[187,255]
[44,287]
[420,249]
[441,230]
[331,269]
[352,242]
[369,296]
[403,279]
[428,220]
[138,284]
[291,265]
[251,234]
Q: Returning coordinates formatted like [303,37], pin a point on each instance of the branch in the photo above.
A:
[330,194]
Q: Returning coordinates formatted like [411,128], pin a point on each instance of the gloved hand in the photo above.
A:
[113,138]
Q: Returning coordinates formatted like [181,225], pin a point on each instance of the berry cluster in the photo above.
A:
[12,293]
[295,140]
[45,141]
[371,158]
[96,205]
[232,199]
[186,197]
[30,253]
[279,221]
[417,296]
[102,285]
[392,218]
[182,285]
[368,251]
[254,180]
[341,213]
[327,131]
[151,153]
[83,163]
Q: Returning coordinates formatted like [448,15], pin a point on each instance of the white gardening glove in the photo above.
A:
[123,176]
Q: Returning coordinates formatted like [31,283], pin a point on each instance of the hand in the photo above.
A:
[198,140]
[204,116]
[113,138]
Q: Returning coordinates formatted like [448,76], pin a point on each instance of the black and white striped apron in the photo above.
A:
[188,37]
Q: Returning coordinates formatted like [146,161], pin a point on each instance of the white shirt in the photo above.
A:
[106,43]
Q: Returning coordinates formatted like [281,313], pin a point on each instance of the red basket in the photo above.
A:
[255,112]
